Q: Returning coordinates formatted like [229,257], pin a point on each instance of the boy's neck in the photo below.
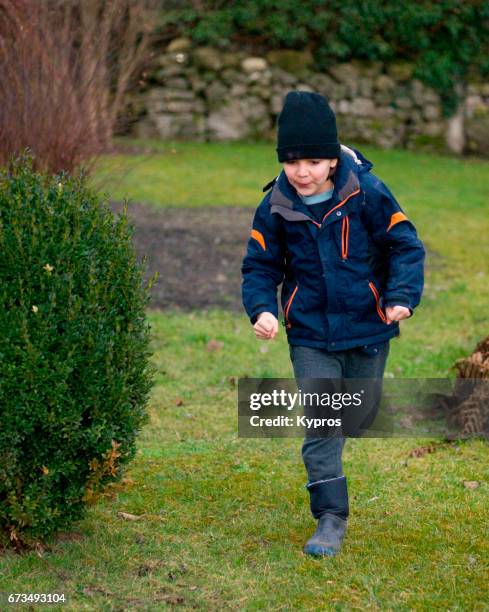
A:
[328,185]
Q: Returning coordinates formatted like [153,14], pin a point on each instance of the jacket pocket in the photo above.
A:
[377,301]
[288,306]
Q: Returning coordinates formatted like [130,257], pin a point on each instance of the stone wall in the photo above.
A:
[201,93]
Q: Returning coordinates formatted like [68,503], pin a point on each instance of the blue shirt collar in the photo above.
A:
[317,198]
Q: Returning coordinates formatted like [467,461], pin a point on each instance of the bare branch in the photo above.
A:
[65,67]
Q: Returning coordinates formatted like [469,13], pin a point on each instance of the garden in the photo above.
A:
[205,519]
[123,481]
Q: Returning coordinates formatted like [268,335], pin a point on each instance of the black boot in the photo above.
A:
[329,504]
[328,537]
[329,495]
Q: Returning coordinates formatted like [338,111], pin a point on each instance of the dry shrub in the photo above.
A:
[65,67]
[472,414]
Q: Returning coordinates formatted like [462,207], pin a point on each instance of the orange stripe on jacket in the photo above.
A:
[345,231]
[341,203]
[258,236]
[397,218]
[377,301]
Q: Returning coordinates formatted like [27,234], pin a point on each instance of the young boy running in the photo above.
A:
[351,268]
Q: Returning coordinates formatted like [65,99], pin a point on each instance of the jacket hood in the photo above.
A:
[346,180]
[360,160]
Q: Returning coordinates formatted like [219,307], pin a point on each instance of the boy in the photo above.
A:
[352,268]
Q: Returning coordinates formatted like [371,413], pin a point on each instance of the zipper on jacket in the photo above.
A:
[353,193]
[345,233]
[287,307]
[377,301]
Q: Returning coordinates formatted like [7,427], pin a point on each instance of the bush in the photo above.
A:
[75,374]
[65,67]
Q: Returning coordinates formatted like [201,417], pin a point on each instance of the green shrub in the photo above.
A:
[75,373]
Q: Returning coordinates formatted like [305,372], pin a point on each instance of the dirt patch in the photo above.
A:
[197,252]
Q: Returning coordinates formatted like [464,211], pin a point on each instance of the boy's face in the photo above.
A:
[309,176]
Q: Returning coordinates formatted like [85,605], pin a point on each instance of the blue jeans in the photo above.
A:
[323,456]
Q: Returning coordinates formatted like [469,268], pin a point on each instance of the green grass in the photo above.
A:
[225,518]
[190,174]
[227,174]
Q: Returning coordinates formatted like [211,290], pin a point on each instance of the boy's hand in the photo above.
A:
[396,313]
[266,326]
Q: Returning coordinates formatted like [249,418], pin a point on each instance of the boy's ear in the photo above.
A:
[332,169]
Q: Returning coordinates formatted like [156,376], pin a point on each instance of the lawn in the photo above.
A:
[222,520]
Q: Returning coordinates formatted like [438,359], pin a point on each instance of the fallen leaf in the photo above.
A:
[420,451]
[130,517]
[471,484]
[147,568]
[372,499]
[214,345]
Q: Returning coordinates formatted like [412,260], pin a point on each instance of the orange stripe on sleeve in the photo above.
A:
[397,218]
[258,236]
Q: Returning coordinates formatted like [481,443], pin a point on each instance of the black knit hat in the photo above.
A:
[307,128]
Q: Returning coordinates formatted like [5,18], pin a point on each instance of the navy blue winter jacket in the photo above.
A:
[339,275]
